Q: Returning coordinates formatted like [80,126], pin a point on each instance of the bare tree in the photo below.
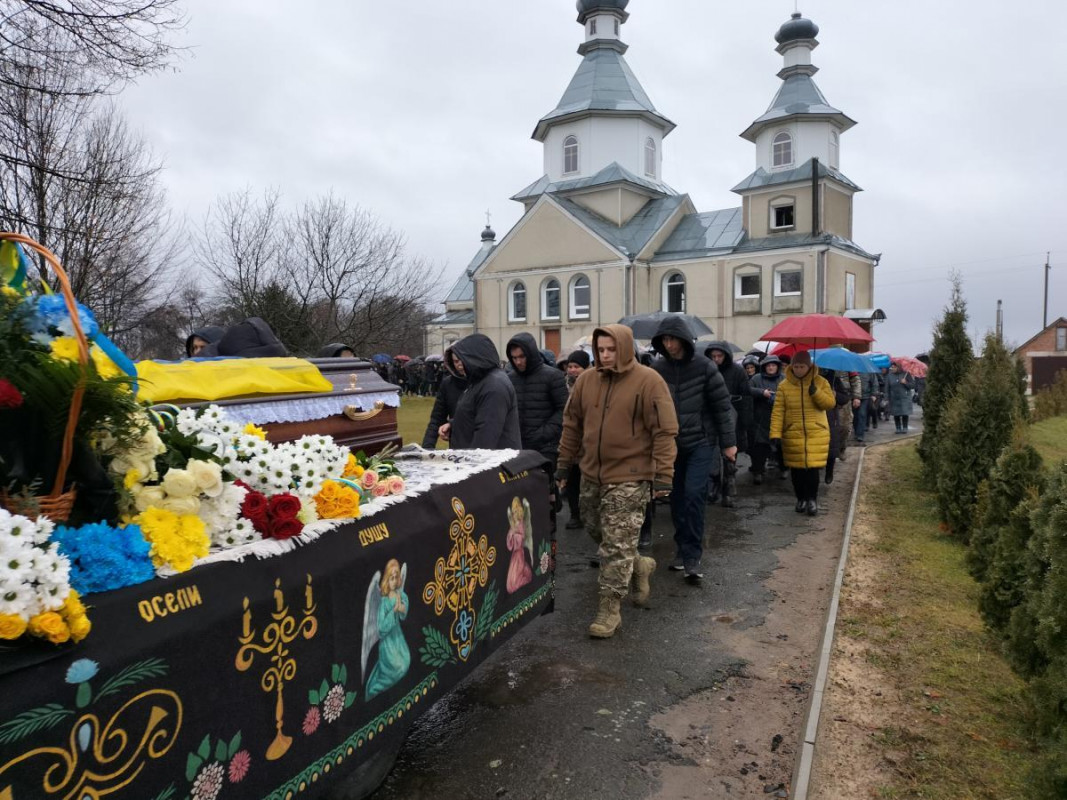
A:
[79,181]
[98,44]
[326,272]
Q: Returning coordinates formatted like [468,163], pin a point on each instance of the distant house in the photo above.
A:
[1045,354]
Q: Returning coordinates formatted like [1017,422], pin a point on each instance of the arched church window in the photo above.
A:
[592,27]
[834,149]
[674,292]
[616,27]
[579,297]
[782,150]
[650,157]
[550,297]
[570,154]
[517,302]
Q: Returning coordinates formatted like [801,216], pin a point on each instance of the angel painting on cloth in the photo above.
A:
[386,608]
[520,542]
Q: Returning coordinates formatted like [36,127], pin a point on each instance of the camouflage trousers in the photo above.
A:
[613,514]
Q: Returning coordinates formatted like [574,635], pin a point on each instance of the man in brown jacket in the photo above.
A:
[620,427]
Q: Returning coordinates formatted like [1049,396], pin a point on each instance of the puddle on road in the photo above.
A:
[507,685]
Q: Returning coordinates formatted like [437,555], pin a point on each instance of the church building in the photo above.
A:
[603,236]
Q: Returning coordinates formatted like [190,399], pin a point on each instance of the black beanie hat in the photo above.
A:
[579,357]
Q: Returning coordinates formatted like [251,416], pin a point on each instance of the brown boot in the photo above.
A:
[643,569]
[608,619]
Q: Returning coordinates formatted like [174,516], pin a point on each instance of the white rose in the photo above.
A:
[179,483]
[182,505]
[147,497]
[208,476]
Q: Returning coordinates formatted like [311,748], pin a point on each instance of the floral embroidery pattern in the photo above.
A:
[328,701]
[209,768]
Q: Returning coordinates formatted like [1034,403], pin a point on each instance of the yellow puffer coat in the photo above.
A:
[799,420]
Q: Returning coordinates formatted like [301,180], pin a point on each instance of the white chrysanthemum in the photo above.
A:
[186,421]
[17,598]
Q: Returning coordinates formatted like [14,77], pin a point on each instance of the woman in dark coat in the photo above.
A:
[899,386]
[763,387]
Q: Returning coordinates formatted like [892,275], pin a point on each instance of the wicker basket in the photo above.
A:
[56,505]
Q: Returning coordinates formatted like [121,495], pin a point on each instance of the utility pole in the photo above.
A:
[1044,318]
[1000,321]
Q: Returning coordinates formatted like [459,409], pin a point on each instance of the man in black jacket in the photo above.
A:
[444,407]
[736,380]
[705,417]
[487,415]
[541,391]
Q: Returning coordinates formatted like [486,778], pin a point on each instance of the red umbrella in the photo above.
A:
[402,358]
[912,366]
[818,329]
[787,350]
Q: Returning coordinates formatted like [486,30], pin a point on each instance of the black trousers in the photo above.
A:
[805,483]
[574,486]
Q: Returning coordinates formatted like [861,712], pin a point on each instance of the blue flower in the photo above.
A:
[52,311]
[104,558]
[464,623]
[82,670]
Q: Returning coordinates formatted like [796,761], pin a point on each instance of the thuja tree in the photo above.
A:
[998,552]
[951,358]
[975,428]
[1047,605]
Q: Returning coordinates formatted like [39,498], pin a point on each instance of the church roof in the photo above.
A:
[632,237]
[699,235]
[780,241]
[465,317]
[761,177]
[798,96]
[612,173]
[463,288]
[604,82]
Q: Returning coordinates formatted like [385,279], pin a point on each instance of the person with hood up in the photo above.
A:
[541,391]
[201,338]
[736,380]
[619,427]
[252,338]
[449,391]
[487,415]
[799,423]
[705,424]
[763,388]
[336,350]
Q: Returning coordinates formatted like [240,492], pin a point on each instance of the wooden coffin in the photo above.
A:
[361,413]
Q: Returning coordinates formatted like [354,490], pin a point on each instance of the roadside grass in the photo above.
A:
[1049,437]
[412,416]
[964,732]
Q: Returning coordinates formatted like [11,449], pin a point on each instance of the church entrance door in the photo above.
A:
[552,341]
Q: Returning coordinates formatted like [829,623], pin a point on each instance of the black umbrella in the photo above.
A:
[645,326]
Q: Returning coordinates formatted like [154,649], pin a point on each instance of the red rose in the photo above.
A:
[259,522]
[285,528]
[254,505]
[283,506]
[10,397]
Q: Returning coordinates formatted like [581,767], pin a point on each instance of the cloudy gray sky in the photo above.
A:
[422,112]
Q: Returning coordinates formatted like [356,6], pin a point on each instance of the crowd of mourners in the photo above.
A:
[626,430]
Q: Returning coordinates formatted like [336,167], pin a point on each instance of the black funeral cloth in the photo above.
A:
[280,675]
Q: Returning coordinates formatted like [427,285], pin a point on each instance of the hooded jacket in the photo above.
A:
[761,406]
[252,338]
[619,425]
[487,415]
[799,419]
[701,399]
[444,407]
[332,350]
[210,334]
[541,391]
[736,379]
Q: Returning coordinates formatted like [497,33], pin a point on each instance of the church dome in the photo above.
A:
[797,28]
[588,6]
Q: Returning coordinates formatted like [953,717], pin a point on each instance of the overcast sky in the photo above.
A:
[422,112]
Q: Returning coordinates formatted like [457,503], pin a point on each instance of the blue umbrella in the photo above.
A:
[880,360]
[381,358]
[843,360]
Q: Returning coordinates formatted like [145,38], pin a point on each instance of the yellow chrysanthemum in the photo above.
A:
[254,430]
[104,365]
[65,348]
[133,477]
